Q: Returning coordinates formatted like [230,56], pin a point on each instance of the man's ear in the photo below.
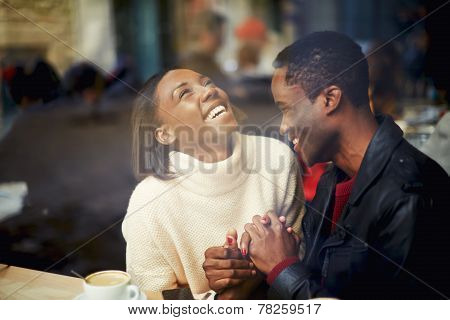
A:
[332,97]
[164,135]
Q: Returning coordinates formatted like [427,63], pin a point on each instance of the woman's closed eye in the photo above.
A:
[208,82]
[184,92]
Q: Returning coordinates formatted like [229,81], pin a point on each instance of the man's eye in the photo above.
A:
[183,92]
[208,82]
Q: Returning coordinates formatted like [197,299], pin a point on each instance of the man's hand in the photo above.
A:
[269,241]
[265,220]
[225,267]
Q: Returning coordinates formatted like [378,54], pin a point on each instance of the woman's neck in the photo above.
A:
[210,151]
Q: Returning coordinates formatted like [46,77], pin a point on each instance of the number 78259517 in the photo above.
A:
[289,308]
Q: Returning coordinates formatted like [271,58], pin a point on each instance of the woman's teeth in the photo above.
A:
[295,141]
[216,112]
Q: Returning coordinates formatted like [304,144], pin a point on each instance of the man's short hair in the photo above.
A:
[327,58]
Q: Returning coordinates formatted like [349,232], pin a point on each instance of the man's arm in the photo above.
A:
[296,282]
[398,242]
[274,250]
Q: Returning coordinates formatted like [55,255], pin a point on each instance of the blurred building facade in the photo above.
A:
[61,32]
[21,39]
[152,34]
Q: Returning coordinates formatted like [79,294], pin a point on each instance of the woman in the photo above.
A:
[202,177]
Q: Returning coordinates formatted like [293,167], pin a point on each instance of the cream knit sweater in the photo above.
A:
[170,224]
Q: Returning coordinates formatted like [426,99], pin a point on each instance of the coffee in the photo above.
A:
[110,285]
[109,278]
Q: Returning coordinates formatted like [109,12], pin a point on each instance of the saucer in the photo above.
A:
[82,296]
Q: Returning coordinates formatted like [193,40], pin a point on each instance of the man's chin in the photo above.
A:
[305,161]
[307,165]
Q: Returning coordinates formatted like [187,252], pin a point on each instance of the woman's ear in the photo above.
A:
[332,96]
[164,135]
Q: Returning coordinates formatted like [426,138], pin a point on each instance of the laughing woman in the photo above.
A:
[201,177]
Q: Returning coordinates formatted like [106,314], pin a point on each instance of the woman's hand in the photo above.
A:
[225,266]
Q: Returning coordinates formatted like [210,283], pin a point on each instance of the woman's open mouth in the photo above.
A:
[216,112]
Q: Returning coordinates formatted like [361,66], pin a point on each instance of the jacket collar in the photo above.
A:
[378,154]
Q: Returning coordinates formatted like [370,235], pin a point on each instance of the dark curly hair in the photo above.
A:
[327,58]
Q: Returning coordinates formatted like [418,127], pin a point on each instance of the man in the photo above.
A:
[377,227]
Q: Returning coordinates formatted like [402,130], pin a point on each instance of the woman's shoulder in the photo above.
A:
[147,192]
[146,205]
[148,184]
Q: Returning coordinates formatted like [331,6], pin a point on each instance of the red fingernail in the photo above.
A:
[244,252]
[230,240]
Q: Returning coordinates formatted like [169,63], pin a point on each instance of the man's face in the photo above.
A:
[303,121]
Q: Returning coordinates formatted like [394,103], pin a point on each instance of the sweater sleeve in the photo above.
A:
[293,207]
[144,259]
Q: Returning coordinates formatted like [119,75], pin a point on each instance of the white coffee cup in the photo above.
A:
[110,285]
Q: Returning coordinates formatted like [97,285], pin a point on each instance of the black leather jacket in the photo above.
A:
[392,241]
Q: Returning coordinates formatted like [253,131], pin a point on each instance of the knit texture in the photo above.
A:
[341,196]
[170,224]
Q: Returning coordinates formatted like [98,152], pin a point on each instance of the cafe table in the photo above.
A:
[26,284]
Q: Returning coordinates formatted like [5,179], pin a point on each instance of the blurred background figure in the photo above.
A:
[84,79]
[7,104]
[34,83]
[257,46]
[254,56]
[248,59]
[252,34]
[386,80]
[27,85]
[438,145]
[206,34]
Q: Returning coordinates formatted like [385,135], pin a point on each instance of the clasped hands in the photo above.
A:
[234,272]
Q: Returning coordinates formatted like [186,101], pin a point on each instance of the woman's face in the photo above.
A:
[192,108]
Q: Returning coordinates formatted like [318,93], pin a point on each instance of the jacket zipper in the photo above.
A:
[316,236]
[326,262]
